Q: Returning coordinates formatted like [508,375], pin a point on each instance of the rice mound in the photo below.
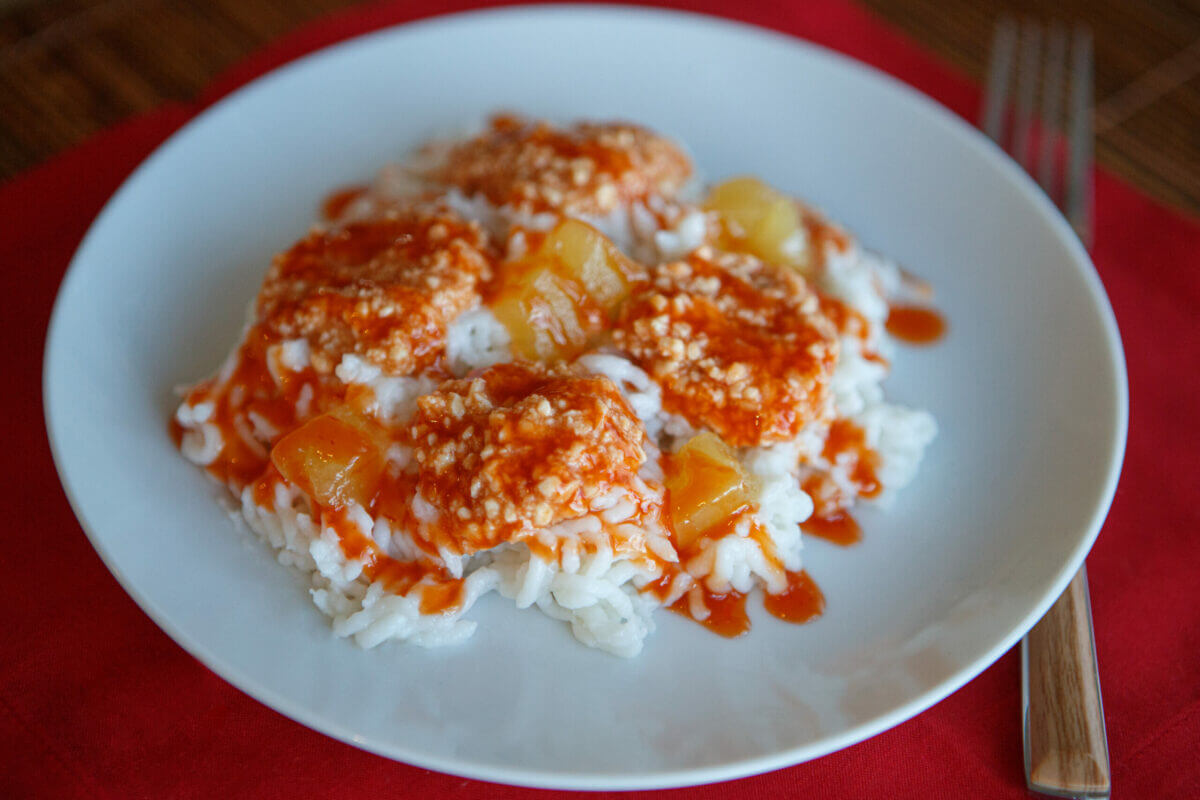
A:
[605,561]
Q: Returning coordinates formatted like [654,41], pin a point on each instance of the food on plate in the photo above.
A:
[545,362]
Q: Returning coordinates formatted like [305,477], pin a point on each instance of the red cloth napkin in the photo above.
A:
[96,702]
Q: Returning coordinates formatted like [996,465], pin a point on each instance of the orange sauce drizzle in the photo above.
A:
[175,431]
[264,488]
[726,613]
[251,383]
[915,324]
[440,592]
[769,337]
[848,320]
[442,597]
[800,602]
[847,439]
[821,233]
[392,499]
[837,527]
[871,355]
[337,202]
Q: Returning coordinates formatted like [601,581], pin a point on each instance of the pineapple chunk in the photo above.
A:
[762,221]
[546,315]
[563,292]
[337,458]
[706,485]
[588,257]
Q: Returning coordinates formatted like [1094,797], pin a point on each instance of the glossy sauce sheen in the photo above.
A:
[384,289]
[251,389]
[708,491]
[800,602]
[848,320]
[915,324]
[735,314]
[516,455]
[440,593]
[726,613]
[837,527]
[847,443]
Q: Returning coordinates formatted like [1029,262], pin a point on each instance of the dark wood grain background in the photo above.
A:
[69,68]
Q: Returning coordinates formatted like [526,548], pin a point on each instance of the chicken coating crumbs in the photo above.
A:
[587,168]
[739,346]
[384,289]
[520,447]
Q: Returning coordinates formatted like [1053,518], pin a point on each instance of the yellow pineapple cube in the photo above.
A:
[761,221]
[588,257]
[547,316]
[563,292]
[334,458]
[706,485]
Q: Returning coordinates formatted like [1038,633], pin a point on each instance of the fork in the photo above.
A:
[1066,748]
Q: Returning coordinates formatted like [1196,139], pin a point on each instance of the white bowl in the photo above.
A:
[1029,390]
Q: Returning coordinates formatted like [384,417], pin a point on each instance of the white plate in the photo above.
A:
[1029,390]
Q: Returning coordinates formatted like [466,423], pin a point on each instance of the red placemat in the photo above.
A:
[96,702]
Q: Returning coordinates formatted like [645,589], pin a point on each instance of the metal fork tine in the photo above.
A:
[1004,47]
[1027,81]
[1078,207]
[1052,91]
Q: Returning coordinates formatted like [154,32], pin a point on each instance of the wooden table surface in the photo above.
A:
[69,68]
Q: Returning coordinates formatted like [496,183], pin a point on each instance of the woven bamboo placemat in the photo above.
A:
[69,68]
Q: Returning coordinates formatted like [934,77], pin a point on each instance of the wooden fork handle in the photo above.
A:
[1066,750]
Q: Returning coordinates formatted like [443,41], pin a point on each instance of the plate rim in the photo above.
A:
[661,779]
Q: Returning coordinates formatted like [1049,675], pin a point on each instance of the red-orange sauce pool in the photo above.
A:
[799,603]
[915,324]
[726,613]
[802,601]
[838,527]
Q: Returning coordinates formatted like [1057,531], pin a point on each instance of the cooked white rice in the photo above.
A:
[593,589]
